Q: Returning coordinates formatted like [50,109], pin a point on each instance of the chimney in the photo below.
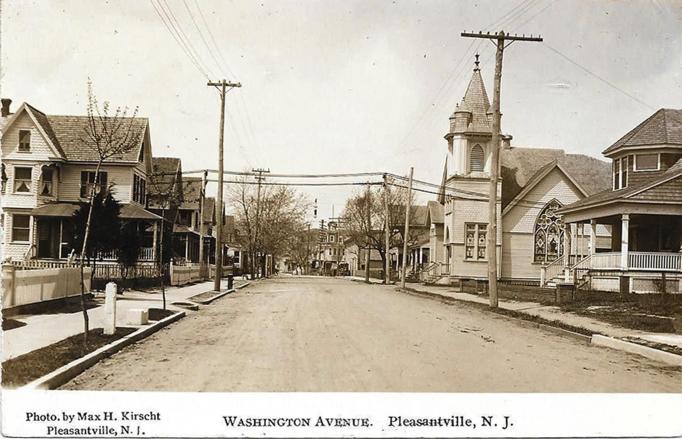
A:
[5,106]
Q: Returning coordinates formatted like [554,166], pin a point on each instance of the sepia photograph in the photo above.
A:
[261,209]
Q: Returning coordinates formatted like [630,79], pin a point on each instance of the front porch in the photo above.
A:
[645,254]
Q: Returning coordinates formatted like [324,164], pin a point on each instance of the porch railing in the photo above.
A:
[554,269]
[146,254]
[655,261]
[605,261]
[645,261]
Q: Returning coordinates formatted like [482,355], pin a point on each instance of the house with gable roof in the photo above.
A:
[534,184]
[48,170]
[643,206]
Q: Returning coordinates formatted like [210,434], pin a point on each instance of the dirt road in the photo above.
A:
[322,334]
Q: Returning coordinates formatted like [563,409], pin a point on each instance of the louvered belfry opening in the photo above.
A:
[476,159]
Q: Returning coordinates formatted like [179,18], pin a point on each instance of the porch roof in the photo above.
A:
[58,210]
[67,210]
[133,211]
[179,228]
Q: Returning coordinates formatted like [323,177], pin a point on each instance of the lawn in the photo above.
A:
[25,368]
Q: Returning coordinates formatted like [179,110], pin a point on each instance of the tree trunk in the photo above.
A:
[86,319]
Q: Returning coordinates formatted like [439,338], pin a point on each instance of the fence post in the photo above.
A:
[543,275]
[8,283]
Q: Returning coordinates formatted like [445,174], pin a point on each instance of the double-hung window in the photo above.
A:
[22,179]
[88,181]
[24,140]
[620,173]
[475,241]
[21,225]
[46,182]
[139,189]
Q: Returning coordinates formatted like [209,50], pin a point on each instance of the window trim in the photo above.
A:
[28,240]
[658,162]
[14,181]
[19,149]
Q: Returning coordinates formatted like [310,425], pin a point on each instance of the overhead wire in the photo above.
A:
[178,40]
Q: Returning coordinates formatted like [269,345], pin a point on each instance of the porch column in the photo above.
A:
[568,236]
[154,239]
[593,237]
[625,222]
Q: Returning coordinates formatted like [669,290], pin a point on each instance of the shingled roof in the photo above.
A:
[664,127]
[476,102]
[162,182]
[209,207]
[640,191]
[521,165]
[191,189]
[44,123]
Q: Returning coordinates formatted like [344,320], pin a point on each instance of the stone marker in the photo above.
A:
[110,308]
[137,316]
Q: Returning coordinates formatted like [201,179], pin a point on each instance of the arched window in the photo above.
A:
[476,159]
[549,234]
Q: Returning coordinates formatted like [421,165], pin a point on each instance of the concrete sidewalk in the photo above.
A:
[44,329]
[554,313]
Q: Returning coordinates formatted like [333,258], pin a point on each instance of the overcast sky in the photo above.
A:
[346,86]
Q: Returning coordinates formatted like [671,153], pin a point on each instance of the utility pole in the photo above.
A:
[368,249]
[387,232]
[499,39]
[408,206]
[222,86]
[260,179]
[202,196]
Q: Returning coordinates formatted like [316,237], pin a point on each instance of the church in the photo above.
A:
[534,183]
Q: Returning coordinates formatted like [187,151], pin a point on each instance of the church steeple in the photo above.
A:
[471,114]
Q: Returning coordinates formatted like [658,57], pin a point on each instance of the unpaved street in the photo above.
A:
[323,334]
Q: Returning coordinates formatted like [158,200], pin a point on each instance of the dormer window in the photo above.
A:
[24,140]
[476,159]
[647,162]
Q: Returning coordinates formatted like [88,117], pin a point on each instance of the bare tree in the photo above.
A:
[371,234]
[281,215]
[108,136]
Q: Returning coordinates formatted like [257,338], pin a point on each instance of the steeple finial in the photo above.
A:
[476,69]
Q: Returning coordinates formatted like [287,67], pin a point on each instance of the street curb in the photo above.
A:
[65,373]
[244,285]
[634,348]
[216,297]
[594,339]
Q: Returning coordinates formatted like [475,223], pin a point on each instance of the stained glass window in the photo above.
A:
[475,241]
[549,234]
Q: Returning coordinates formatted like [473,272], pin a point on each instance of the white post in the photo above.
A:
[624,252]
[593,237]
[110,308]
[154,240]
[567,252]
